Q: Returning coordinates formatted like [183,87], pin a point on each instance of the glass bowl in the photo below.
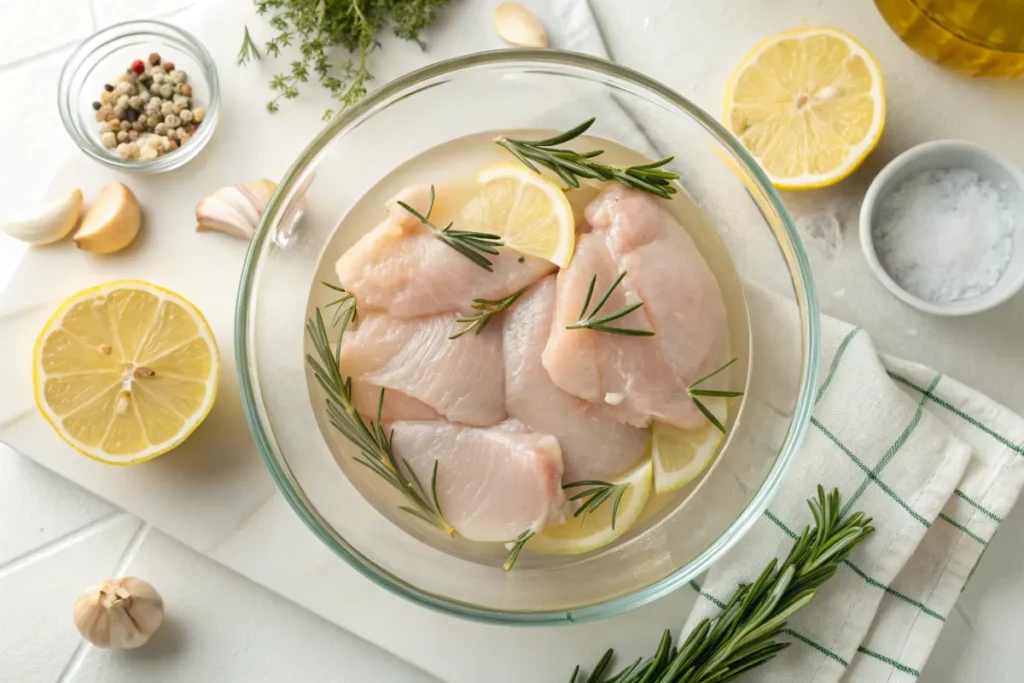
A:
[503,90]
[105,55]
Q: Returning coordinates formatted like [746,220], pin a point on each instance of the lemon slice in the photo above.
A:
[590,531]
[125,371]
[529,211]
[808,104]
[680,455]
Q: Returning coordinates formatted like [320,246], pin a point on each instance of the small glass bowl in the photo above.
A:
[105,55]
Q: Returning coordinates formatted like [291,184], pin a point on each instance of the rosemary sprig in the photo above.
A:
[249,51]
[593,322]
[745,634]
[473,245]
[571,165]
[595,495]
[488,308]
[370,438]
[515,546]
[340,303]
[694,392]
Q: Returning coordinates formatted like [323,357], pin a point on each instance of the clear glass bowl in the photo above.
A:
[105,55]
[515,89]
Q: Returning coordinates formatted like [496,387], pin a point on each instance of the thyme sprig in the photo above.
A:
[600,323]
[346,301]
[249,51]
[595,495]
[694,393]
[571,165]
[473,245]
[745,634]
[374,444]
[487,308]
[515,546]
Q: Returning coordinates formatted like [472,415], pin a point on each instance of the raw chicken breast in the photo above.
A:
[594,444]
[402,268]
[461,379]
[397,405]
[646,376]
[492,484]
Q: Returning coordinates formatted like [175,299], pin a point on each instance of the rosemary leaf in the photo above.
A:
[516,547]
[487,310]
[600,323]
[571,165]
[472,245]
[744,635]
[594,495]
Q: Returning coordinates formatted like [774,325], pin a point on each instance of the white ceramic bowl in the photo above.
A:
[1005,176]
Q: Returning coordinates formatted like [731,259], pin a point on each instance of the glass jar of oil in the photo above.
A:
[983,38]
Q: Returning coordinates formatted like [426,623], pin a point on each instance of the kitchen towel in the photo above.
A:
[936,464]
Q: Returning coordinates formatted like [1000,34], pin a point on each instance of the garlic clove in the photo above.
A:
[120,613]
[518,26]
[112,221]
[50,225]
[235,210]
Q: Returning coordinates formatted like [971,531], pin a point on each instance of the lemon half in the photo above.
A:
[680,455]
[591,531]
[125,371]
[529,211]
[809,105]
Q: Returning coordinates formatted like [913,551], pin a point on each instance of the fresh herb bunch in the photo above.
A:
[315,26]
[592,321]
[571,165]
[370,438]
[745,634]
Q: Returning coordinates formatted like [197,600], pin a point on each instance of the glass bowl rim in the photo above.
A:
[805,293]
[102,38]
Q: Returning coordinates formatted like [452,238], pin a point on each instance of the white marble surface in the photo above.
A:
[56,538]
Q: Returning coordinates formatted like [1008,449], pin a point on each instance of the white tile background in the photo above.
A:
[55,539]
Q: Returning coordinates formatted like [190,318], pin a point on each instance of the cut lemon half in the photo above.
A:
[594,529]
[680,455]
[529,212]
[125,371]
[808,104]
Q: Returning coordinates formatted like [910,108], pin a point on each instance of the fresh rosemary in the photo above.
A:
[571,165]
[593,322]
[249,51]
[515,546]
[694,393]
[343,303]
[473,245]
[371,439]
[594,496]
[745,634]
[487,309]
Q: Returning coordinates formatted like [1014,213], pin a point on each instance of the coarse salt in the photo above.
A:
[944,235]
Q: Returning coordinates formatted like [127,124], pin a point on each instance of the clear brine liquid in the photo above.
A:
[458,162]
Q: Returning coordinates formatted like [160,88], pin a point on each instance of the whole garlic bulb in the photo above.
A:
[121,613]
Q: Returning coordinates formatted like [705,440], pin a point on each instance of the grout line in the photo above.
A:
[84,647]
[38,57]
[58,544]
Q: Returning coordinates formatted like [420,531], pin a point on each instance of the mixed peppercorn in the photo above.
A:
[148,110]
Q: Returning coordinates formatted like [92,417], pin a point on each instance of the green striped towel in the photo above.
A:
[936,464]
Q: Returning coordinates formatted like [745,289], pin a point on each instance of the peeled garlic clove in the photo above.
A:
[235,210]
[518,26]
[112,221]
[52,224]
[121,613]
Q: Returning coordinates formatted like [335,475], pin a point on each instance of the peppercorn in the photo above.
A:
[185,89]
[122,136]
[133,135]
[166,90]
[154,58]
[115,123]
[172,121]
[154,89]
[108,87]
[123,88]
[198,114]
[168,67]
[120,112]
[125,125]
[139,125]
[153,121]
[109,140]
[135,102]
[185,115]
[177,109]
[122,101]
[138,67]
[132,115]
[160,129]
